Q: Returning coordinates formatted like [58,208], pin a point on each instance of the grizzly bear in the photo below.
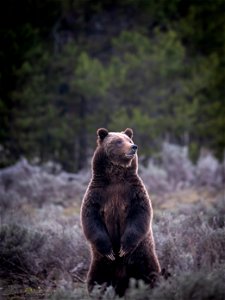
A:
[116,216]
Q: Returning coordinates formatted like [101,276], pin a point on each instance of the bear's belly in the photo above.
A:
[115,213]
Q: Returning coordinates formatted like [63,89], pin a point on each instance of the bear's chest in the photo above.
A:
[115,209]
[116,201]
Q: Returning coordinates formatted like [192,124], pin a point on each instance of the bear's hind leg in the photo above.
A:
[145,266]
[121,280]
[100,273]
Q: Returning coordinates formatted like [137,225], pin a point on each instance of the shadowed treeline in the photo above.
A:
[70,67]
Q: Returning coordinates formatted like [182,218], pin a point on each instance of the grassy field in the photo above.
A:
[44,254]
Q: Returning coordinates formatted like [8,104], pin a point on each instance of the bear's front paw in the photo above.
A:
[111,256]
[122,252]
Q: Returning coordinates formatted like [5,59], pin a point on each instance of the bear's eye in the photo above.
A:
[119,142]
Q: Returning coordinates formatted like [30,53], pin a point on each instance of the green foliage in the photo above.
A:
[155,92]
[90,78]
[211,110]
[162,74]
[61,88]
[203,27]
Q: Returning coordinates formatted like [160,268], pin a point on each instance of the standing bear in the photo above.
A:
[116,216]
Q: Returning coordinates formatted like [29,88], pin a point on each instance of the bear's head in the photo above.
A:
[117,146]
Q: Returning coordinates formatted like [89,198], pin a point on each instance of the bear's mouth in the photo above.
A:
[130,155]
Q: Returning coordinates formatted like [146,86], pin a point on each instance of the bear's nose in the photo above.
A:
[134,147]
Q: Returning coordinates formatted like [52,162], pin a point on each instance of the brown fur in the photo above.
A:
[116,216]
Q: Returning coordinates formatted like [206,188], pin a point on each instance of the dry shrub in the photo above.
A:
[189,237]
[41,245]
[155,178]
[71,294]
[20,250]
[185,286]
[194,285]
[210,249]
[178,166]
[208,171]
[51,253]
[174,171]
[32,184]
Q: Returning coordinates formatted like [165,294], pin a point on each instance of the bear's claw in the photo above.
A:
[122,253]
[111,256]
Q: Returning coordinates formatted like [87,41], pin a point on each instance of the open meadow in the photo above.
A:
[44,254]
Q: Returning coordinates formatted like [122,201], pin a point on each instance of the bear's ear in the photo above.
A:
[129,132]
[102,133]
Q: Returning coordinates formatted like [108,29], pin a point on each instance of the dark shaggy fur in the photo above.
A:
[116,216]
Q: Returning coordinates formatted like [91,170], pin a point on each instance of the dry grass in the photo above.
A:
[45,256]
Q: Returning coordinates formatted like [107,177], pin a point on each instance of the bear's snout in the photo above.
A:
[133,149]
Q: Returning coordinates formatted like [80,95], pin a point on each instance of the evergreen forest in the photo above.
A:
[69,67]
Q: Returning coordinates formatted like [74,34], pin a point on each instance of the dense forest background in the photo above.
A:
[70,67]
